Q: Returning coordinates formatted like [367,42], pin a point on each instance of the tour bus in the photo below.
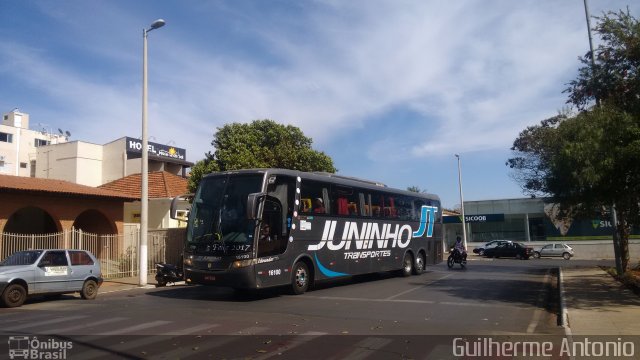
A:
[260,228]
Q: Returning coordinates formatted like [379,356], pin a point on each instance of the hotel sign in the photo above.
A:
[134,146]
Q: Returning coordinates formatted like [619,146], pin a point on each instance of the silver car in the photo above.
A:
[558,250]
[51,271]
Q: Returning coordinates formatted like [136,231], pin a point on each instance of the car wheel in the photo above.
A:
[566,256]
[536,254]
[519,256]
[301,278]
[14,295]
[89,290]
[418,267]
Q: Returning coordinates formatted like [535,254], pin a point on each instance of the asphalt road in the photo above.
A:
[368,314]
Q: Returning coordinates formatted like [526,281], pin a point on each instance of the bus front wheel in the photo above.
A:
[301,278]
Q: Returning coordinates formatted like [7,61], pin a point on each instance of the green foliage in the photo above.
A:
[416,189]
[591,161]
[199,170]
[265,144]
[614,78]
[260,144]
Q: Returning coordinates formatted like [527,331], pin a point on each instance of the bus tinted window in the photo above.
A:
[312,198]
[404,206]
[345,200]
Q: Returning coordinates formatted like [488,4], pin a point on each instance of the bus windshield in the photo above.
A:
[218,223]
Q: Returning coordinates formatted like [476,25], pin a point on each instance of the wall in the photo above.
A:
[158,213]
[63,209]
[115,165]
[77,162]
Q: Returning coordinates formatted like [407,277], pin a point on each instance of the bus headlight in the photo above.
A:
[243,263]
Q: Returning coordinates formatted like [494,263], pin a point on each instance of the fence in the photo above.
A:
[117,253]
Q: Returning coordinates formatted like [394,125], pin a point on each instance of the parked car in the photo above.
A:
[563,250]
[50,271]
[491,244]
[510,249]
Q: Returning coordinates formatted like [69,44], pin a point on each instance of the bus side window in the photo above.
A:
[365,200]
[312,197]
[305,205]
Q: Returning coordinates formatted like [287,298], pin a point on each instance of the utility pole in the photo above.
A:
[614,217]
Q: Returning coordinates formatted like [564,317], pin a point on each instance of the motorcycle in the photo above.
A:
[168,273]
[455,257]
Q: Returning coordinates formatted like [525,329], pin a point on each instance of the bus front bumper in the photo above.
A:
[243,278]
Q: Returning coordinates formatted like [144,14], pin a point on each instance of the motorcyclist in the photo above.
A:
[460,249]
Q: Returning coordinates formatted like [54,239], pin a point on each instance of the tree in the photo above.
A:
[416,189]
[590,161]
[261,144]
[198,170]
[615,77]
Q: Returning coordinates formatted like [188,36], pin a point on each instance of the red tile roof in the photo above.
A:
[11,183]
[161,185]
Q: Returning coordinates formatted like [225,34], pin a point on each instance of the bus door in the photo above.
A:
[273,235]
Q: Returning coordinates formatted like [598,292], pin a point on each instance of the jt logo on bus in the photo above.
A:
[366,234]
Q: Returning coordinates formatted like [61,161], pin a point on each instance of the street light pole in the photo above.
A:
[144,197]
[464,223]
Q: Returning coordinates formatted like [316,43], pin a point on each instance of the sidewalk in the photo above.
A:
[120,284]
[596,304]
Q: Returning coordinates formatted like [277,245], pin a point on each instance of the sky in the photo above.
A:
[391,90]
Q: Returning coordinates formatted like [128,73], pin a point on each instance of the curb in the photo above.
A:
[563,319]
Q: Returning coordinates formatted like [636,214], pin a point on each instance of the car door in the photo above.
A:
[501,250]
[547,250]
[82,266]
[52,272]
[558,249]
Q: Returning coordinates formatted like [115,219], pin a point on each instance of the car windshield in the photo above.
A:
[22,258]
[218,222]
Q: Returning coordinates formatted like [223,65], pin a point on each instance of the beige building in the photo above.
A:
[94,165]
[19,144]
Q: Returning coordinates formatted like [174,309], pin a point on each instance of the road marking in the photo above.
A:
[417,287]
[295,342]
[47,322]
[201,349]
[452,303]
[136,328]
[86,325]
[193,329]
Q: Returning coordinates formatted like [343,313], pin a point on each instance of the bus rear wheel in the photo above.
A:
[407,265]
[300,279]
[418,267]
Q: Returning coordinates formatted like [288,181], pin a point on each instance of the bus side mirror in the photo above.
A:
[253,201]
[179,206]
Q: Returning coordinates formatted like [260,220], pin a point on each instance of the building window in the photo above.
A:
[23,165]
[33,168]
[41,142]
[4,137]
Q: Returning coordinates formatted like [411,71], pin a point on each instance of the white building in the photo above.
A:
[19,144]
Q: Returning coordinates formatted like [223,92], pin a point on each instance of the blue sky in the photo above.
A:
[391,90]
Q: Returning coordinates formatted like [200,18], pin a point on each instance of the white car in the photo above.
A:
[35,272]
[556,249]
